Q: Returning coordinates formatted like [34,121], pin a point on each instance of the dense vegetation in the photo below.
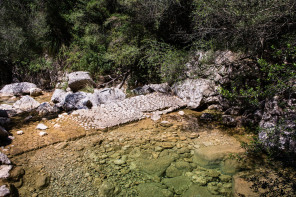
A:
[149,41]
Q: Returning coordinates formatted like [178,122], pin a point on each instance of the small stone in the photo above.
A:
[20,132]
[34,195]
[42,181]
[167,145]
[41,126]
[193,135]
[182,138]
[119,162]
[158,149]
[42,133]
[165,123]
[181,113]
[57,126]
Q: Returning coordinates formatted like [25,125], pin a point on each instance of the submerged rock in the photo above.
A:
[42,181]
[178,184]
[153,189]
[212,156]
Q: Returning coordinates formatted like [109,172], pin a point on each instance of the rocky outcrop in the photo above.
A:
[26,103]
[278,124]
[17,88]
[196,92]
[130,109]
[79,80]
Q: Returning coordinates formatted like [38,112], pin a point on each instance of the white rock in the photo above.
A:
[181,113]
[41,126]
[56,126]
[4,159]
[4,191]
[20,132]
[4,171]
[42,133]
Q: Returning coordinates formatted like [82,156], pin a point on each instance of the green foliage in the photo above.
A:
[242,25]
[277,78]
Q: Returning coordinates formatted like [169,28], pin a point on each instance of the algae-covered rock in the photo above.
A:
[178,184]
[172,171]
[197,191]
[153,189]
[154,166]
[211,156]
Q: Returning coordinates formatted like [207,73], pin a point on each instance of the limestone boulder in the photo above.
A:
[17,88]
[59,95]
[26,103]
[79,80]
[195,92]
[146,89]
[109,95]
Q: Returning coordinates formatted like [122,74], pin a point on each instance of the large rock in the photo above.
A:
[59,96]
[278,125]
[79,80]
[45,110]
[195,92]
[26,103]
[17,88]
[109,95]
[78,100]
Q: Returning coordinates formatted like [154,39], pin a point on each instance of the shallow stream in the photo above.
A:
[144,158]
